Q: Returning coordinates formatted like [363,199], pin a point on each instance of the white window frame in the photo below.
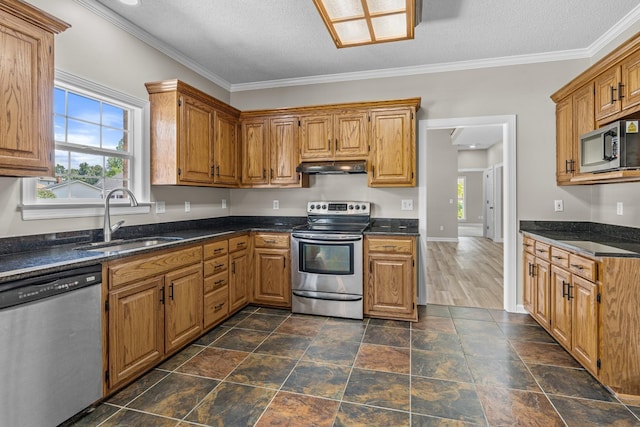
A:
[140,170]
[464,197]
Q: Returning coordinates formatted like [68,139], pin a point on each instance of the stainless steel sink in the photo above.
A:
[126,245]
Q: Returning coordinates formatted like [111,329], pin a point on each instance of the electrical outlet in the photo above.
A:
[407,205]
[619,208]
[276,204]
[187,206]
[442,228]
[558,205]
[224,203]
[160,207]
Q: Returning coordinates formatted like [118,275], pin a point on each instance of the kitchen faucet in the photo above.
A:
[108,229]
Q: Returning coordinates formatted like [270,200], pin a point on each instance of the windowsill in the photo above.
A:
[58,211]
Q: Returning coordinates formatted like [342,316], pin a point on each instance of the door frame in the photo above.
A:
[509,218]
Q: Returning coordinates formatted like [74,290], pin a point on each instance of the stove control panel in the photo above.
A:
[338,208]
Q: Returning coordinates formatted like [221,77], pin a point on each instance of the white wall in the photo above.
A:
[442,174]
[472,159]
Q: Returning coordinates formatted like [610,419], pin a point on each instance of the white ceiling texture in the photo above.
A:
[251,44]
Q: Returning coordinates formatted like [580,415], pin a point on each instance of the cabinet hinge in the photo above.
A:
[598,364]
[411,175]
[179,171]
[299,123]
[369,118]
[599,298]
[106,306]
[106,376]
[411,116]
[413,263]
[179,102]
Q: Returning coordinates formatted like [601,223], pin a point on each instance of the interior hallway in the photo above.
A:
[468,273]
[455,367]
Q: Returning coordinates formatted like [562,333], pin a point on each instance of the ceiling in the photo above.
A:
[249,44]
[476,137]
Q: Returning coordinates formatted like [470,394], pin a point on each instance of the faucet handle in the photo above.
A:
[117,225]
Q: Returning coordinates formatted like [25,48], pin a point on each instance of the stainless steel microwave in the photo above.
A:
[615,146]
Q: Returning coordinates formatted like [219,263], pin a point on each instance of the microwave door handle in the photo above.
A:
[608,139]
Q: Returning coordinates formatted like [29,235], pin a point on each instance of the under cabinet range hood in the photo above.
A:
[335,167]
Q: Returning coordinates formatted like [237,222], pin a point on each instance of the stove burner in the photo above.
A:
[337,217]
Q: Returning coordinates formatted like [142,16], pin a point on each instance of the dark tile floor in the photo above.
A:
[455,367]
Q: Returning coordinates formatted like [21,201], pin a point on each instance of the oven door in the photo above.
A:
[327,263]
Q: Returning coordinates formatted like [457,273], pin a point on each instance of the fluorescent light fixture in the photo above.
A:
[130,2]
[360,22]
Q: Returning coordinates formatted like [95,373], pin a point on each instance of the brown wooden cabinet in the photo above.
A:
[270,152]
[390,279]
[154,307]
[338,135]
[393,148]
[216,282]
[240,272]
[272,269]
[193,137]
[26,82]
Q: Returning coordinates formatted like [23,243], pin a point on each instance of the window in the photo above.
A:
[99,146]
[462,182]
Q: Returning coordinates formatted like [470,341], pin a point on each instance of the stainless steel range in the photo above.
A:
[326,274]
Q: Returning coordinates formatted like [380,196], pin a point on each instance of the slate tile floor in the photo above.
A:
[455,367]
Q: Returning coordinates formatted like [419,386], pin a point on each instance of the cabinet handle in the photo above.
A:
[336,144]
[370,266]
[542,251]
[270,241]
[565,289]
[557,257]
[162,296]
[612,90]
[217,266]
[578,267]
[218,282]
[271,176]
[264,174]
[620,91]
[171,291]
[218,307]
[218,250]
[218,170]
[233,267]
[569,288]
[242,244]
[284,263]
[569,166]
[212,171]
[389,246]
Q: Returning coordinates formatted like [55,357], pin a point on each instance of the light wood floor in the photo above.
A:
[468,273]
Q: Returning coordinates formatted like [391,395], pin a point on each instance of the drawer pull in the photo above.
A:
[389,246]
[218,250]
[542,251]
[242,244]
[577,266]
[218,307]
[217,266]
[270,241]
[558,257]
[218,282]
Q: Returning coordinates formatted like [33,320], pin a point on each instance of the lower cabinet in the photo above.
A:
[154,306]
[216,282]
[390,279]
[272,269]
[239,276]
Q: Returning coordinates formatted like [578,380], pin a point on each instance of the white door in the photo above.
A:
[489,211]
[497,198]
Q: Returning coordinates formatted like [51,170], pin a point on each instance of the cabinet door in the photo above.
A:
[272,280]
[561,305]
[585,323]
[350,130]
[529,283]
[390,289]
[566,157]
[583,120]
[238,279]
[284,151]
[26,84]
[183,306]
[316,139]
[606,99]
[542,310]
[393,148]
[136,329]
[196,141]
[631,81]
[255,152]
[226,150]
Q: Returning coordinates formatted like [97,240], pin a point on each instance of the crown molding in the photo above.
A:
[134,30]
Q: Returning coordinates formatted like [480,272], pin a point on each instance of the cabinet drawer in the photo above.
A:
[238,243]
[215,249]
[542,250]
[398,246]
[584,267]
[216,265]
[560,257]
[216,281]
[143,266]
[272,240]
[216,306]
[528,244]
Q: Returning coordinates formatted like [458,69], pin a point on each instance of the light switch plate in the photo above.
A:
[558,205]
[160,207]
[187,206]
[619,208]
[224,203]
[276,204]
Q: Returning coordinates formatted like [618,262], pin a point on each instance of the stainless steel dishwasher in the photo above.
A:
[50,347]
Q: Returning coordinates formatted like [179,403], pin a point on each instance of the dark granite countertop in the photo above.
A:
[590,238]
[29,256]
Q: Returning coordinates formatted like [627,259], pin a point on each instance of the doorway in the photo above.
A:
[508,200]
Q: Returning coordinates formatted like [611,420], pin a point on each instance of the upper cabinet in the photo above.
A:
[607,91]
[26,84]
[194,137]
[339,135]
[393,148]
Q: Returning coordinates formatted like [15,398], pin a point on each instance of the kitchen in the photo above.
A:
[87,50]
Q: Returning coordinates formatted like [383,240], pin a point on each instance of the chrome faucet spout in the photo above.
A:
[108,229]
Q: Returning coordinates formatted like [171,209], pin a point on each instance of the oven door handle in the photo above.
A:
[326,296]
[327,238]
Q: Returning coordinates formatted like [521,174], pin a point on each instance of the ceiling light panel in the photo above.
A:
[340,9]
